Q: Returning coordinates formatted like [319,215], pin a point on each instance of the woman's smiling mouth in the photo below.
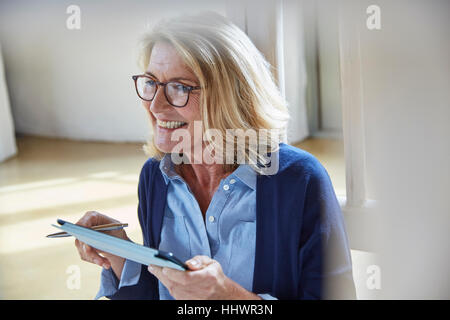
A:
[170,124]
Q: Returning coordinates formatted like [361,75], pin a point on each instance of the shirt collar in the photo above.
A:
[244,172]
[167,168]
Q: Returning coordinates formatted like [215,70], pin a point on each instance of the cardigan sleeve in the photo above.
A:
[147,286]
[325,260]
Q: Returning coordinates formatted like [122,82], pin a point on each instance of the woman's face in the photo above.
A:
[166,65]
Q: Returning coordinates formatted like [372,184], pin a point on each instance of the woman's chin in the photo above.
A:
[165,148]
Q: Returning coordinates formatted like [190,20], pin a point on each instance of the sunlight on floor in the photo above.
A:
[52,179]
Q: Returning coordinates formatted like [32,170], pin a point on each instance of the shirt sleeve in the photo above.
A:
[109,284]
[266,296]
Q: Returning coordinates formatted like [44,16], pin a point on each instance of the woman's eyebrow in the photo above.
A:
[171,79]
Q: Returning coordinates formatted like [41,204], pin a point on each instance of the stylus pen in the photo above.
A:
[101,227]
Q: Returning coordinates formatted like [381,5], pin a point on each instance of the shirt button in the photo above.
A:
[226,187]
[211,219]
[232,181]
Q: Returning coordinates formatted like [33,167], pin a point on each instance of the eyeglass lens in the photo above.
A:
[176,93]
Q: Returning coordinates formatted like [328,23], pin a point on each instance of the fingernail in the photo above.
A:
[150,268]
[194,263]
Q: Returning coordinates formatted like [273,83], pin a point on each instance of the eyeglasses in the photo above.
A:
[177,94]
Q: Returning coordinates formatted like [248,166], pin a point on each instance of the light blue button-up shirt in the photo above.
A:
[227,234]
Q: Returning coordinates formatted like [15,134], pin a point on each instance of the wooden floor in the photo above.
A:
[52,179]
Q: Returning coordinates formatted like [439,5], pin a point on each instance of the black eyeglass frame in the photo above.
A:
[163,84]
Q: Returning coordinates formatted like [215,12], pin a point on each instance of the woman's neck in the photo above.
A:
[207,176]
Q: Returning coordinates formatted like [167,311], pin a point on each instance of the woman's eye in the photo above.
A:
[150,82]
[182,88]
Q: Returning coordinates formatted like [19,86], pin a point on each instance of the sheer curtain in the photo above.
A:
[7,138]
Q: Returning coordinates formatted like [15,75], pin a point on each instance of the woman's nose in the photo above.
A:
[159,102]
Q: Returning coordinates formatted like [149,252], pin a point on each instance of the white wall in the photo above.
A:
[276,29]
[77,83]
[321,47]
[8,146]
[405,72]
[328,69]
[295,65]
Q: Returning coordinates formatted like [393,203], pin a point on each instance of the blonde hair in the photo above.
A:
[239,91]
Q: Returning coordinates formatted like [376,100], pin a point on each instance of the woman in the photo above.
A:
[252,219]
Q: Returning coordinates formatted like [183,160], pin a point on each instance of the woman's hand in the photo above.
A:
[204,280]
[92,255]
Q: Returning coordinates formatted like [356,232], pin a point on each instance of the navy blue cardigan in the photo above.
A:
[302,250]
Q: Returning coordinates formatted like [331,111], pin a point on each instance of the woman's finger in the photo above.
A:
[89,254]
[95,257]
[199,262]
[157,272]
[89,219]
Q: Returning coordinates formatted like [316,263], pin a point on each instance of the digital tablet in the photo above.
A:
[122,248]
